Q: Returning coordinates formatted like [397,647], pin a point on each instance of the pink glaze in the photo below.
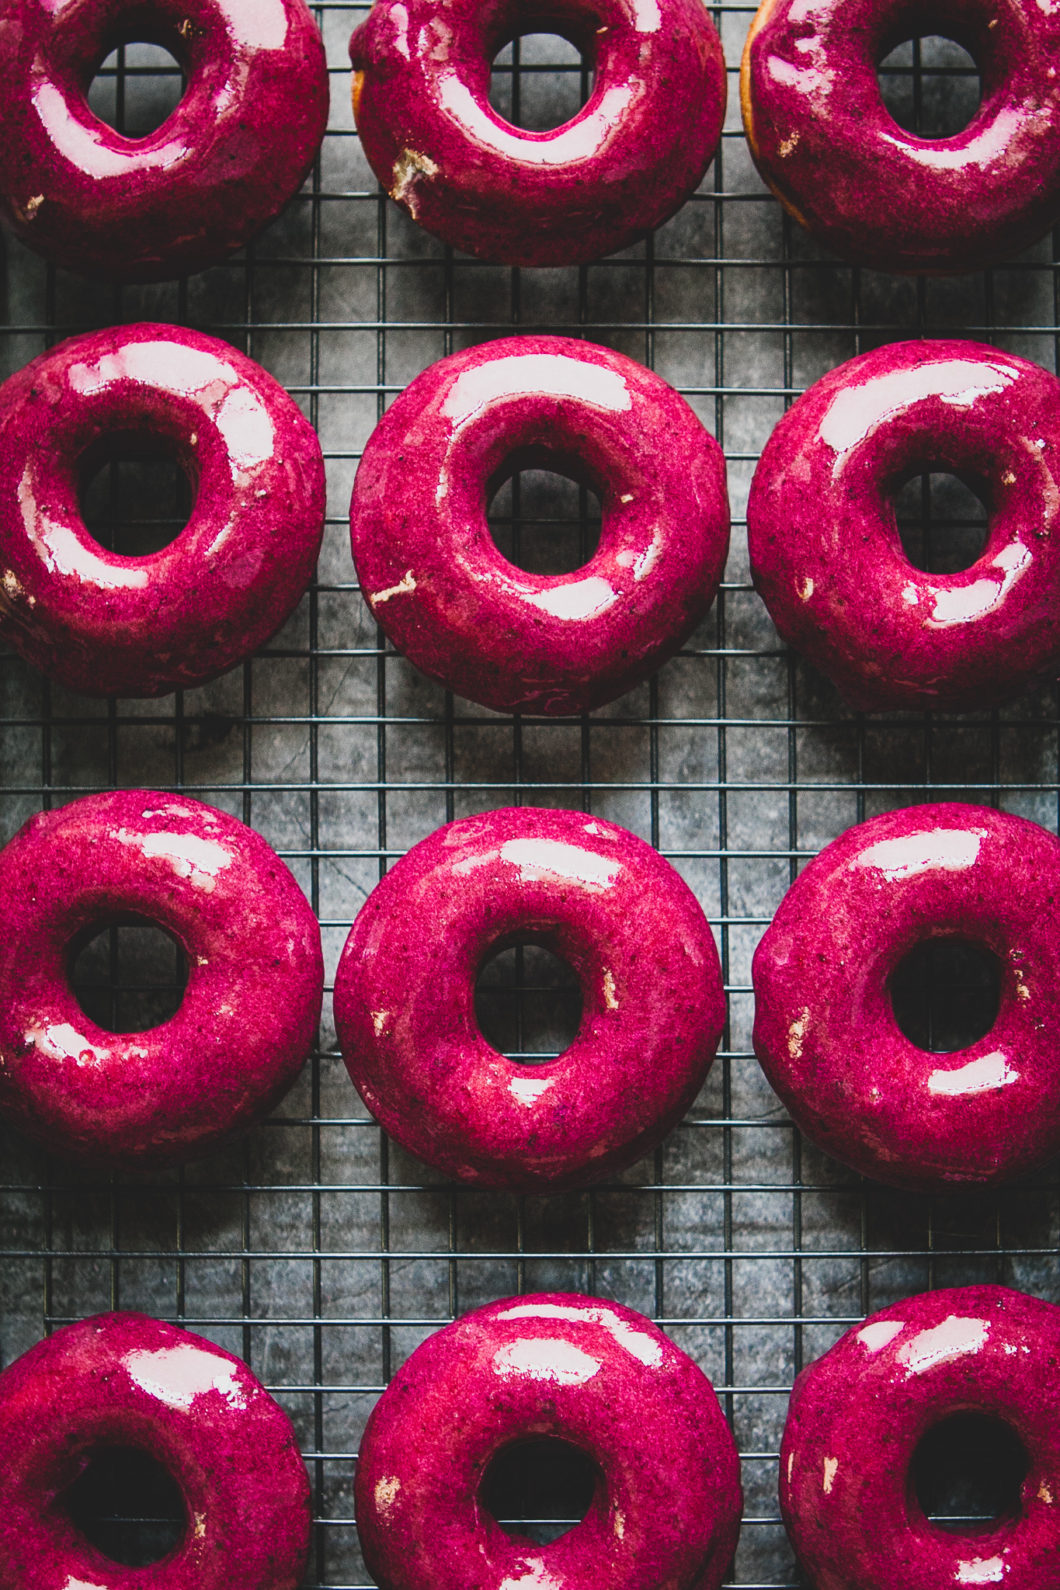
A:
[826,556]
[602,900]
[140,626]
[866,188]
[224,163]
[666,1509]
[825,1031]
[630,157]
[858,1414]
[254,989]
[124,1380]
[433,576]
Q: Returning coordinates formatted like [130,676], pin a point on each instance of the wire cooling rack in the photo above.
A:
[316,1249]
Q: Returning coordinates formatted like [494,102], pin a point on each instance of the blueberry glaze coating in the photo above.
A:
[623,919]
[224,163]
[456,607]
[125,1380]
[857,1415]
[826,556]
[630,157]
[866,188]
[667,1503]
[250,1009]
[106,624]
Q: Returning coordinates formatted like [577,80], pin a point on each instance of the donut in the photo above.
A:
[128,1381]
[624,164]
[236,148]
[456,607]
[249,1013]
[867,189]
[105,624]
[825,1031]
[667,1500]
[607,904]
[826,556]
[858,1414]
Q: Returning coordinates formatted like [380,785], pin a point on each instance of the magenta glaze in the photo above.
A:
[254,989]
[858,1414]
[601,899]
[433,576]
[623,165]
[826,555]
[223,164]
[666,1509]
[825,1031]
[140,626]
[874,193]
[124,1380]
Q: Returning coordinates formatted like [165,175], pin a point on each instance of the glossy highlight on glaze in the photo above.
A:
[866,188]
[857,1415]
[602,900]
[126,1380]
[826,556]
[225,162]
[623,165]
[250,1009]
[456,607]
[825,1032]
[106,624]
[666,1508]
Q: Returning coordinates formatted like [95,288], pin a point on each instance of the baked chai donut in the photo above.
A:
[826,556]
[127,1381]
[249,1012]
[866,188]
[106,624]
[858,1414]
[225,162]
[653,1007]
[825,1030]
[630,157]
[455,606]
[667,1501]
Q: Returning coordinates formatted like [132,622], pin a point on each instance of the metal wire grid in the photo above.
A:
[316,1249]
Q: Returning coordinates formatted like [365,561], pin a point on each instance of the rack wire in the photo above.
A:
[316,1249]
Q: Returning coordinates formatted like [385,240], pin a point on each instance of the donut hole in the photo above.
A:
[539,1488]
[128,1506]
[943,520]
[528,1003]
[930,86]
[543,518]
[136,88]
[968,1472]
[135,495]
[128,976]
[946,993]
[539,81]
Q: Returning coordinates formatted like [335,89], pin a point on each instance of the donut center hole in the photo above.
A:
[544,520]
[528,1003]
[135,495]
[968,1472]
[539,81]
[946,994]
[930,86]
[137,88]
[943,520]
[128,976]
[128,1506]
[539,1488]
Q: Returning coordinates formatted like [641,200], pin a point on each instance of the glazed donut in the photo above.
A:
[826,556]
[866,188]
[666,1508]
[124,1380]
[603,900]
[251,1005]
[227,160]
[623,165]
[140,626]
[436,582]
[825,1032]
[858,1414]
